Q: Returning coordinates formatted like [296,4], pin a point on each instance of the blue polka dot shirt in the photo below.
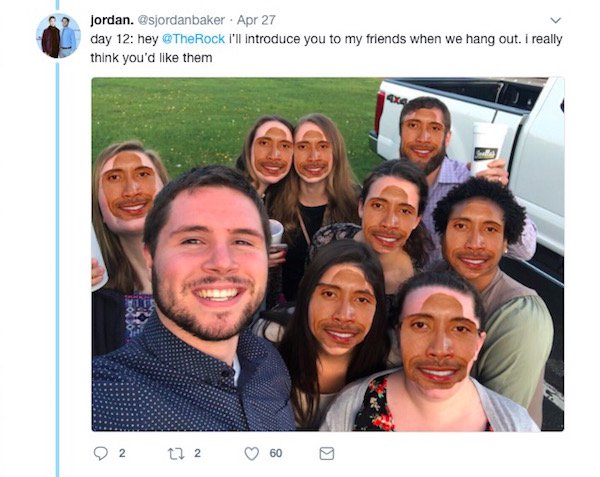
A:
[157,382]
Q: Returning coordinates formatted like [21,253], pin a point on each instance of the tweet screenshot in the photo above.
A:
[305,221]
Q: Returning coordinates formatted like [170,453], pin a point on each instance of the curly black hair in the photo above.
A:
[477,187]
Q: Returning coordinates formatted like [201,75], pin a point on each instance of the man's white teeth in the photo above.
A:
[134,208]
[341,335]
[218,295]
[473,261]
[387,239]
[439,373]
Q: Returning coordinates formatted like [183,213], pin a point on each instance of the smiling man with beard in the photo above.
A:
[425,133]
[196,366]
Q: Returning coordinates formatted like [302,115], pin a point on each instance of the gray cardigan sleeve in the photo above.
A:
[504,415]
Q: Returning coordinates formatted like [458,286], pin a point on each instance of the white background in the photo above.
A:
[27,247]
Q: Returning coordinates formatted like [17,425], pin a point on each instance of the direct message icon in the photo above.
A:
[251,452]
[100,452]
[326,453]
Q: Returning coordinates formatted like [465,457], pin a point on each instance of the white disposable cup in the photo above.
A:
[276,231]
[487,144]
[97,254]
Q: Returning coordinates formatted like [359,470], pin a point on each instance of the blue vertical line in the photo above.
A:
[57,268]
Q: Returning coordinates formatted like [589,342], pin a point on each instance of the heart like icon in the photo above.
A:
[251,452]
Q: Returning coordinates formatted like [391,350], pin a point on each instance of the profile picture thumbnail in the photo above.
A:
[58,35]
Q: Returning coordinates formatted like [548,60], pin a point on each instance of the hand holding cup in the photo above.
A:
[487,145]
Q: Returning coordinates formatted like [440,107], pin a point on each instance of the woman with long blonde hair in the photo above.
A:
[125,179]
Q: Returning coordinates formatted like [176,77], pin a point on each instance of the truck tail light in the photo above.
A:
[379,110]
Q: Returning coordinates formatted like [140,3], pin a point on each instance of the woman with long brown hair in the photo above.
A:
[319,190]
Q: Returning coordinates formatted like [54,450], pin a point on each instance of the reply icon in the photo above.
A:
[100,452]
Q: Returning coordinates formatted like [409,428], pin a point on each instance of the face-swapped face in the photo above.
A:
[474,240]
[128,184]
[65,22]
[424,138]
[272,152]
[313,153]
[389,213]
[52,21]
[341,309]
[209,270]
[439,337]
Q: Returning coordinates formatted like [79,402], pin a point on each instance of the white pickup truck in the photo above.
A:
[533,110]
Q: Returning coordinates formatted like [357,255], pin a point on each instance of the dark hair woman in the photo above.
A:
[337,333]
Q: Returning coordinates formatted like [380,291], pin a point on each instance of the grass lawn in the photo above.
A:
[198,121]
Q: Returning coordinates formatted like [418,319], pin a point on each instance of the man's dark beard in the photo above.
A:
[432,164]
[189,323]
